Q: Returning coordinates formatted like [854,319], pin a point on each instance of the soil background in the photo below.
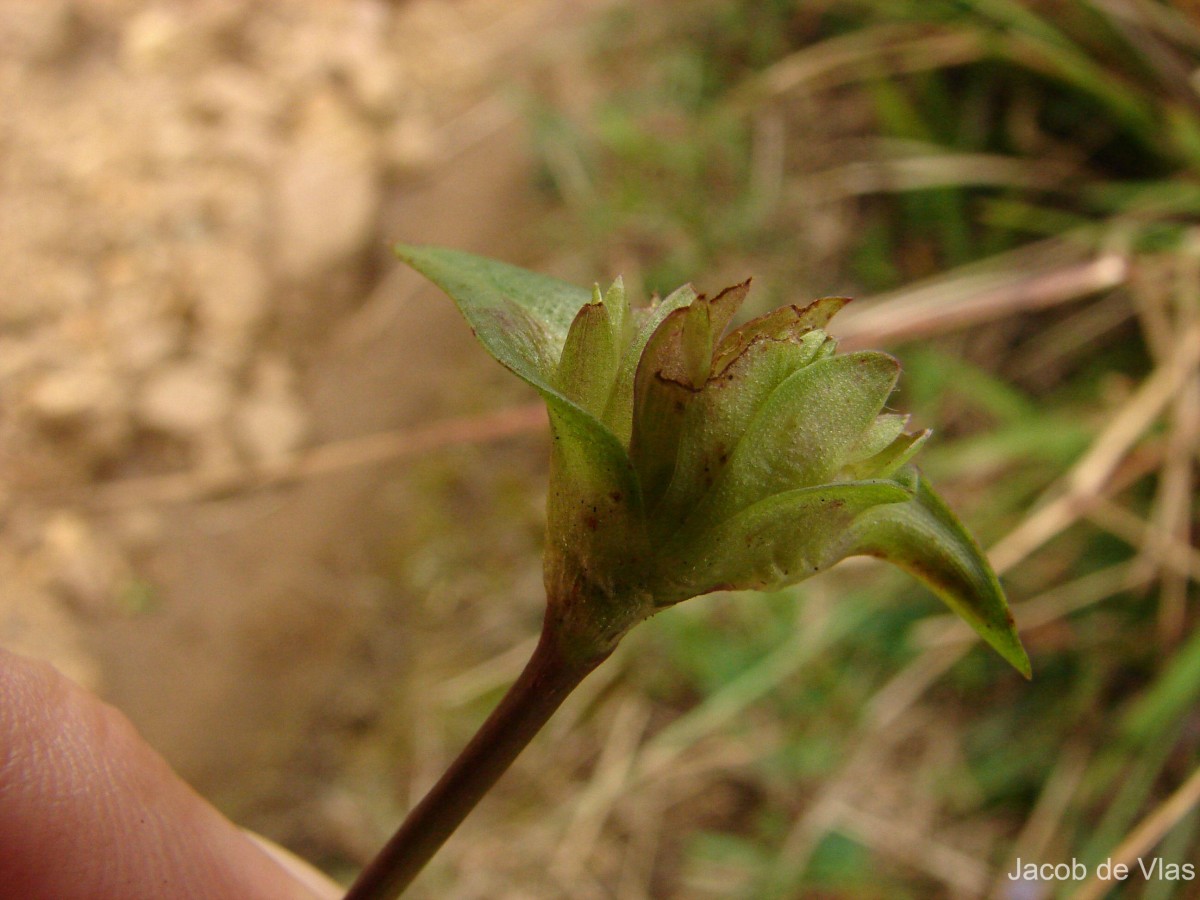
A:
[196,203]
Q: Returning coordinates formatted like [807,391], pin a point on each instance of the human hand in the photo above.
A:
[89,810]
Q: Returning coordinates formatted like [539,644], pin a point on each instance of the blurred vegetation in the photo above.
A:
[1044,156]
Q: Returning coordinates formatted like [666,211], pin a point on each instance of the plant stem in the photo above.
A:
[549,676]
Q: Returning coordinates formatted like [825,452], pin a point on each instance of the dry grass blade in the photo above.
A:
[351,453]
[1172,514]
[888,173]
[946,642]
[595,803]
[671,750]
[855,57]
[892,700]
[1037,277]
[1067,500]
[1168,20]
[1170,554]
[912,847]
[1053,803]
[1151,830]
[821,816]
[725,704]
[1076,335]
[491,674]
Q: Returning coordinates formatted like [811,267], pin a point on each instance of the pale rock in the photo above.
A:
[81,562]
[375,81]
[367,58]
[240,107]
[39,287]
[35,623]
[17,356]
[64,285]
[188,399]
[174,37]
[270,423]
[41,32]
[230,290]
[411,145]
[81,398]
[142,327]
[140,528]
[76,395]
[326,190]
[21,308]
[233,90]
[151,37]
[145,347]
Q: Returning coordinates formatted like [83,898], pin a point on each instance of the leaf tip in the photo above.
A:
[1012,650]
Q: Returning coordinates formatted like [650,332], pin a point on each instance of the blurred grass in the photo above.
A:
[911,150]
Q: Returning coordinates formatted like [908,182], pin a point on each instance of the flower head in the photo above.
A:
[689,458]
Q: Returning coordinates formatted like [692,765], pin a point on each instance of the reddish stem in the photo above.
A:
[545,682]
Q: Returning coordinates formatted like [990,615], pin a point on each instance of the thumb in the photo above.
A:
[88,809]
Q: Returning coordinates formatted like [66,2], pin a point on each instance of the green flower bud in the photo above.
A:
[687,460]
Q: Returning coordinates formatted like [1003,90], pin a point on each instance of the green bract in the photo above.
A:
[686,460]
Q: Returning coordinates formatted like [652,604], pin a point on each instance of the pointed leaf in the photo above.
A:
[879,435]
[924,538]
[673,368]
[774,543]
[695,345]
[590,356]
[521,317]
[725,305]
[683,345]
[619,415]
[888,460]
[661,405]
[802,433]
[594,510]
[718,416]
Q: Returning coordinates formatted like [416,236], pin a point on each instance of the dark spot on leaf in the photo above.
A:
[615,497]
[592,521]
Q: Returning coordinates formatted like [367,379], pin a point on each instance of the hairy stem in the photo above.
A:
[549,676]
